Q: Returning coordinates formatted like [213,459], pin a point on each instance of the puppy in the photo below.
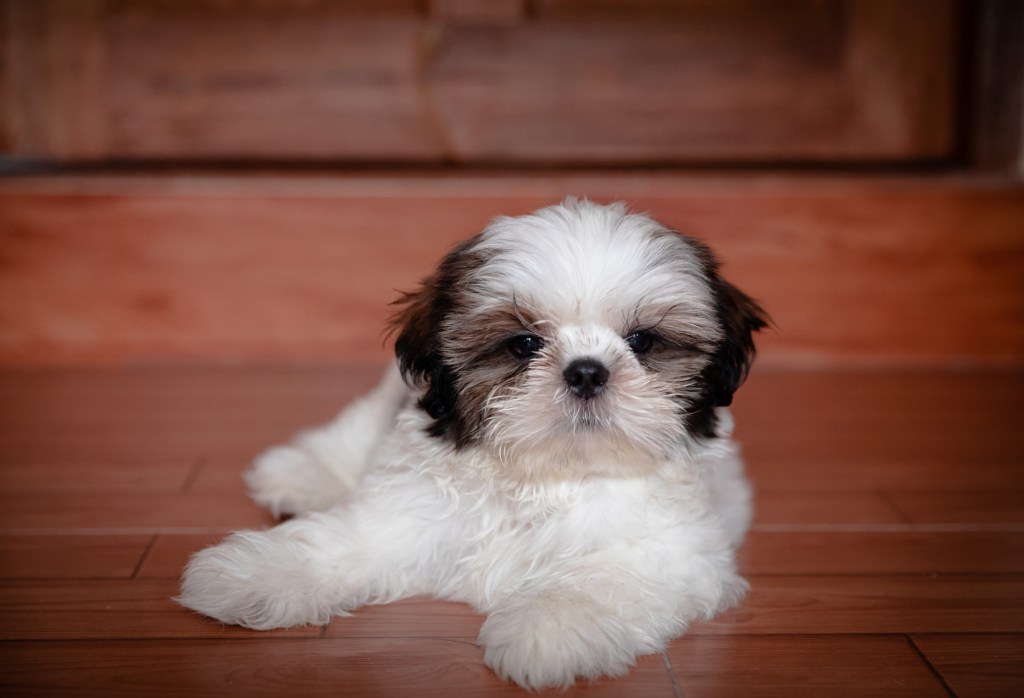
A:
[558,455]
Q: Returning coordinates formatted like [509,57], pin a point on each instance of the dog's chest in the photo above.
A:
[572,519]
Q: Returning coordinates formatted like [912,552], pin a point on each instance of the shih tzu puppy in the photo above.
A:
[552,448]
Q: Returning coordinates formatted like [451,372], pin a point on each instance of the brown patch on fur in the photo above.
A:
[491,332]
[419,321]
[740,316]
[483,360]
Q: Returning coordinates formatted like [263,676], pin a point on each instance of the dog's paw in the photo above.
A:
[551,642]
[292,480]
[253,581]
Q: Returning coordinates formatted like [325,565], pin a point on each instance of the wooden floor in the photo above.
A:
[887,556]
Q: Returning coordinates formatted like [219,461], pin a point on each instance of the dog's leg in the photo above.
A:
[595,621]
[321,465]
[262,579]
[313,567]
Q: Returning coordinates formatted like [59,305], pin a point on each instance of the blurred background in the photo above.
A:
[252,180]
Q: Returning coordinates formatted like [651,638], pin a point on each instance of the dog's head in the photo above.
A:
[580,331]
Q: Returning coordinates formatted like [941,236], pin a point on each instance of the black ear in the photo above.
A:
[418,323]
[416,348]
[740,317]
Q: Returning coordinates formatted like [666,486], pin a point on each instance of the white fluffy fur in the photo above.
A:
[585,543]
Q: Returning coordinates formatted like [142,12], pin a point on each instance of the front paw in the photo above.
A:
[292,480]
[252,581]
[550,642]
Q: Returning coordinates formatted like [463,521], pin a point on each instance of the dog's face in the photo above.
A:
[578,333]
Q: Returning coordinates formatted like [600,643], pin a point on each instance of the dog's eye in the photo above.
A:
[525,346]
[640,341]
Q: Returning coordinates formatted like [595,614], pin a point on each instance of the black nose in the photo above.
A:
[585,377]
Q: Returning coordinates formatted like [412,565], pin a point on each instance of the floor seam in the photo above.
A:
[676,688]
[931,667]
[891,503]
[144,556]
[193,474]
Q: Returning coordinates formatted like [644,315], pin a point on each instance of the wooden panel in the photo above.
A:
[20,477]
[803,80]
[813,666]
[493,12]
[806,604]
[71,557]
[170,553]
[703,81]
[767,466]
[150,430]
[7,139]
[997,122]
[258,268]
[977,666]
[134,513]
[156,398]
[434,668]
[108,609]
[968,505]
[775,507]
[55,59]
[885,550]
[267,88]
[123,450]
[948,427]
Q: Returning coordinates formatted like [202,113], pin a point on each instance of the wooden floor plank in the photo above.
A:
[883,552]
[159,443]
[807,471]
[110,610]
[300,666]
[977,666]
[132,513]
[71,557]
[828,507]
[180,395]
[841,419]
[166,415]
[144,609]
[170,553]
[97,477]
[964,506]
[756,667]
[223,474]
[804,604]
